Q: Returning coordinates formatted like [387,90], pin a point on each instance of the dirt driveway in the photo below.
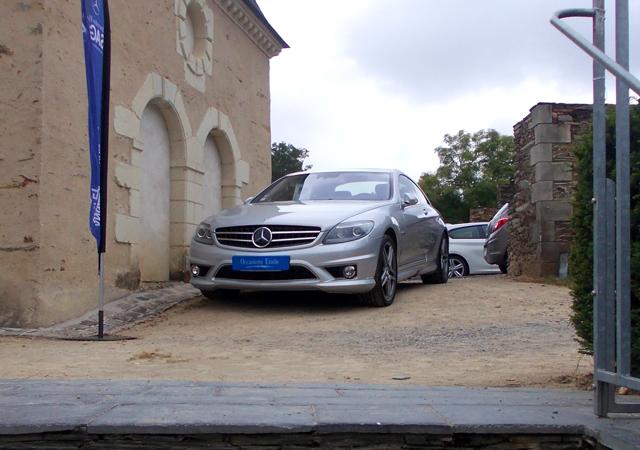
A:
[477,331]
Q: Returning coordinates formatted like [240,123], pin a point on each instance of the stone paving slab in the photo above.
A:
[379,418]
[191,418]
[516,418]
[194,408]
[119,314]
[38,417]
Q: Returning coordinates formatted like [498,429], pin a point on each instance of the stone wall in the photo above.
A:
[482,214]
[203,64]
[21,104]
[541,209]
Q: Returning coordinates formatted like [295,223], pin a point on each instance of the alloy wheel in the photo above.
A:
[456,267]
[388,277]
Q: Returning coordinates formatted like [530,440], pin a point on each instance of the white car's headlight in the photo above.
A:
[349,231]
[204,234]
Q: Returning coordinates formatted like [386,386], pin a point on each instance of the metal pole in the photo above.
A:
[611,224]
[623,203]
[600,343]
[101,295]
[608,320]
[596,53]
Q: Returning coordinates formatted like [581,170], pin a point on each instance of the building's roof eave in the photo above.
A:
[255,9]
[248,16]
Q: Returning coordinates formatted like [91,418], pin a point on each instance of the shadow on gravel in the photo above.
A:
[294,302]
[283,302]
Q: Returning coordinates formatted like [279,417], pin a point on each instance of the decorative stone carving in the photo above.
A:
[194,21]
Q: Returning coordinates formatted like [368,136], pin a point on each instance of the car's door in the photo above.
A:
[433,226]
[481,266]
[411,225]
[467,242]
[421,225]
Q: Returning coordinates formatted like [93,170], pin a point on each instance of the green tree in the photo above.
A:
[285,159]
[472,166]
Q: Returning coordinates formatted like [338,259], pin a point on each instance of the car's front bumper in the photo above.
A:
[362,253]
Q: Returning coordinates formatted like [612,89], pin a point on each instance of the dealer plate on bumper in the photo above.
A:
[264,263]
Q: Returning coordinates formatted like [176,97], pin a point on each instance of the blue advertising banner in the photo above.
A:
[96,37]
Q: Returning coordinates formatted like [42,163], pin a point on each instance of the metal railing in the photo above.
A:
[611,223]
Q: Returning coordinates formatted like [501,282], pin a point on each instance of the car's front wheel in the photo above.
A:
[441,274]
[386,276]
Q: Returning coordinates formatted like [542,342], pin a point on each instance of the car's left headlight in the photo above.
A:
[204,234]
[349,231]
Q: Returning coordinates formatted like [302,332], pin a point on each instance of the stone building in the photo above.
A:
[542,205]
[189,134]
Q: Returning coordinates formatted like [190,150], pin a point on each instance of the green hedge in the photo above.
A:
[581,260]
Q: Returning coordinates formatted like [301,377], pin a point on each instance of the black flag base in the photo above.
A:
[104,338]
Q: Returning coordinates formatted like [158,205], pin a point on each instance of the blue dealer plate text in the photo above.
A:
[266,263]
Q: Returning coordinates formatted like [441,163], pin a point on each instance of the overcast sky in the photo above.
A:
[377,83]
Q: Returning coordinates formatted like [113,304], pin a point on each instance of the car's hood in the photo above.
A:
[324,214]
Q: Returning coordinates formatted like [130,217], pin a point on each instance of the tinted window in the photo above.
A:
[407,186]
[470,232]
[463,233]
[329,186]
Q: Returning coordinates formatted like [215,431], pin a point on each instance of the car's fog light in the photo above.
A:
[349,272]
[195,270]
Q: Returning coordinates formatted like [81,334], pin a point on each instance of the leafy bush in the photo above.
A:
[581,259]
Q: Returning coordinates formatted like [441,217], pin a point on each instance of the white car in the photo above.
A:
[466,247]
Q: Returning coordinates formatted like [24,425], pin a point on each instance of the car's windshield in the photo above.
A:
[329,186]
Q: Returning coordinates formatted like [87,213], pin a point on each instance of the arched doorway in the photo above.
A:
[155,190]
[163,178]
[212,178]
[227,173]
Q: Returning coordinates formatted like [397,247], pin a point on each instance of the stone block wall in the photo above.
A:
[202,64]
[541,209]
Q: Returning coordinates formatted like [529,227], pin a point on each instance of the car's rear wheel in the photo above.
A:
[441,274]
[458,267]
[386,276]
[504,267]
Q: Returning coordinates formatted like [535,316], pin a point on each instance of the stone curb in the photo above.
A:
[119,314]
[162,408]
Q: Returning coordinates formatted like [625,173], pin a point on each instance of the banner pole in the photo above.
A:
[104,161]
[96,37]
[101,295]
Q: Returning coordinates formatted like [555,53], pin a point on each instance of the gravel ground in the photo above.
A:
[476,331]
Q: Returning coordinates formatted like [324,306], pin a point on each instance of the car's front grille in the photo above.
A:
[281,235]
[293,273]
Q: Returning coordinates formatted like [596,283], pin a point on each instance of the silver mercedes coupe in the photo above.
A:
[349,231]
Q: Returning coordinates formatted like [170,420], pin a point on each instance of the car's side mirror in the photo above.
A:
[409,199]
[248,199]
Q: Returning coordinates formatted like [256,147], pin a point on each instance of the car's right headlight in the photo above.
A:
[349,231]
[204,235]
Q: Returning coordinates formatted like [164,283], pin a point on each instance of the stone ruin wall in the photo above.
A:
[482,214]
[544,182]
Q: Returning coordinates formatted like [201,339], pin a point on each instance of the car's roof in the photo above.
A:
[451,226]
